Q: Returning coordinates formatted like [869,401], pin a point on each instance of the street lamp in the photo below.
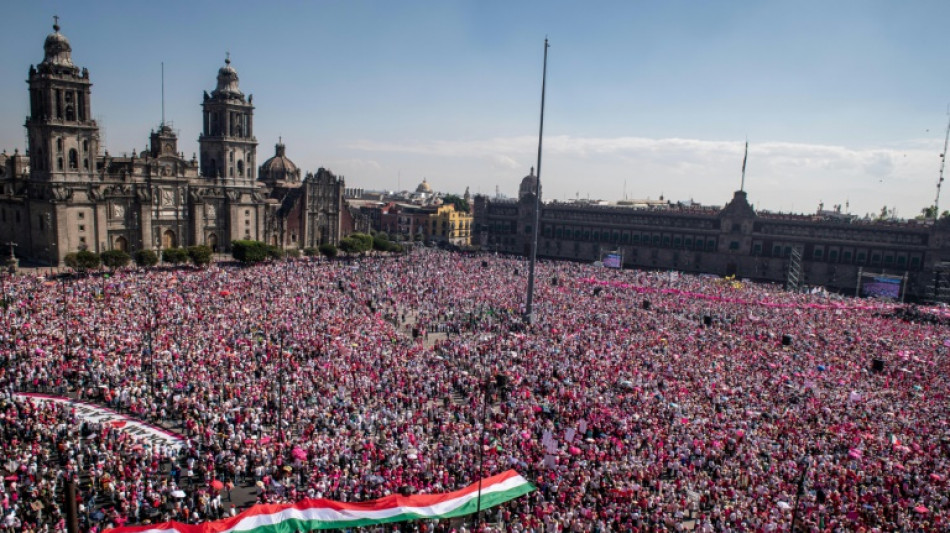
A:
[806,463]
[151,352]
[280,390]
[481,452]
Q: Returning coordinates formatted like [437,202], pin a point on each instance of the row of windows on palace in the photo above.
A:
[628,237]
[812,252]
[871,235]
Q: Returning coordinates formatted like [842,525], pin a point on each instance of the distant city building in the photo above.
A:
[419,215]
[827,249]
[63,196]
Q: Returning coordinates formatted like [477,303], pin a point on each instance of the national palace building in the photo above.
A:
[827,249]
[67,193]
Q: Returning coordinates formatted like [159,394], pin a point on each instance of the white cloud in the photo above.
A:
[780,175]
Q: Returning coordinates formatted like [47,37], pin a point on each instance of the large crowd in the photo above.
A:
[637,401]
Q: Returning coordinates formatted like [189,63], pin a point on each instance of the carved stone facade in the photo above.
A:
[734,240]
[64,196]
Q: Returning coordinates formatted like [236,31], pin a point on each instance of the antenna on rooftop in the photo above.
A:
[163,94]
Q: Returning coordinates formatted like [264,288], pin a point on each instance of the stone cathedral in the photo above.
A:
[67,194]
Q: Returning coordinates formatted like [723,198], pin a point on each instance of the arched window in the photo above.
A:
[231,156]
[59,163]
[73,160]
[70,109]
[59,146]
[240,166]
[85,164]
[85,146]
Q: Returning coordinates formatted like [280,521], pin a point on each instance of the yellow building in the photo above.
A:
[448,225]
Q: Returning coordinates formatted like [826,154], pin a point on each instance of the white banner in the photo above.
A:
[96,414]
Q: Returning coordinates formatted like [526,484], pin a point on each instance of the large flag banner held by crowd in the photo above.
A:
[308,515]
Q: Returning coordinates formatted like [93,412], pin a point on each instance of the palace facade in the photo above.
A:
[67,194]
[828,249]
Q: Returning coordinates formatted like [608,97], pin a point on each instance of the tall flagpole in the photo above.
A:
[529,309]
[943,162]
[744,159]
[163,93]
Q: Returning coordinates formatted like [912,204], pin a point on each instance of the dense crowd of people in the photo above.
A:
[638,401]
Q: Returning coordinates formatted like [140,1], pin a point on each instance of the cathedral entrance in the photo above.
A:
[213,242]
[121,244]
[168,239]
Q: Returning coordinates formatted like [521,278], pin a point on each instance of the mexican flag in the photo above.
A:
[310,515]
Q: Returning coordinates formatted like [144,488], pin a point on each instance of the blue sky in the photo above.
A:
[842,101]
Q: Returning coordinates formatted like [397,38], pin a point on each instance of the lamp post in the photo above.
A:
[151,351]
[280,390]
[798,494]
[49,252]
[481,453]
[62,280]
[806,463]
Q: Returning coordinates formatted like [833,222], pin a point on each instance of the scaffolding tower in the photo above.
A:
[795,278]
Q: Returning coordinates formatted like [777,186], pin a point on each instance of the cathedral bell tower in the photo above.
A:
[228,146]
[63,138]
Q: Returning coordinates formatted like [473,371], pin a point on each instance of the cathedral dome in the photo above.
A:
[528,185]
[424,187]
[57,49]
[279,167]
[228,81]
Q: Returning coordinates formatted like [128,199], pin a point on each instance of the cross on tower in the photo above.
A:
[227,57]
[56,22]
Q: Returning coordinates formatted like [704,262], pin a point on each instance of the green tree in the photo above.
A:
[175,256]
[310,251]
[249,252]
[115,258]
[71,260]
[275,252]
[461,204]
[348,245]
[928,212]
[146,258]
[292,253]
[328,250]
[381,243]
[200,255]
[884,214]
[86,260]
[364,242]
